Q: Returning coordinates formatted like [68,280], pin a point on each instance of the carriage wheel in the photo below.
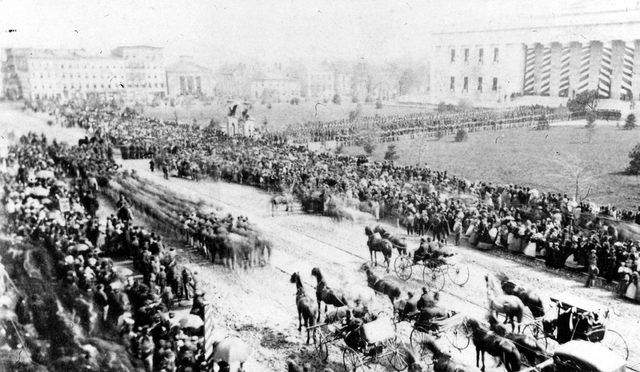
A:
[535,330]
[616,343]
[459,274]
[417,340]
[396,355]
[321,347]
[351,360]
[434,278]
[403,267]
[458,337]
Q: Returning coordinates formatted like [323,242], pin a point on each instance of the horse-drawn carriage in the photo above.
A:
[579,356]
[577,319]
[434,271]
[364,345]
[426,324]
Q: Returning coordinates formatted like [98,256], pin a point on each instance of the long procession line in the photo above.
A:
[364,258]
[545,354]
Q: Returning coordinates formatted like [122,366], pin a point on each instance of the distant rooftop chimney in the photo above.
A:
[188,59]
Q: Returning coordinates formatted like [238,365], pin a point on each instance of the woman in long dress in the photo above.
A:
[632,289]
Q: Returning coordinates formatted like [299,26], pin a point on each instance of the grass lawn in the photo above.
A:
[546,160]
[280,114]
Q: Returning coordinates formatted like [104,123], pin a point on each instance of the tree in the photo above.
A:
[337,99]
[591,119]
[634,163]
[354,114]
[369,145]
[407,81]
[543,123]
[584,102]
[630,122]
[462,135]
[391,154]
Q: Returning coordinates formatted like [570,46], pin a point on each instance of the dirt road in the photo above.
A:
[339,249]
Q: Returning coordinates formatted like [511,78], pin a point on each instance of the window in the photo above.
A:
[453,55]
[480,55]
[496,54]
[465,86]
[479,84]
[452,84]
[466,55]
[494,85]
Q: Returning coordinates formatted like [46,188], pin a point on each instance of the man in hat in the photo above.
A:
[421,253]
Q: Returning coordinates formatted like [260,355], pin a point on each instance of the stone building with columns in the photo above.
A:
[557,57]
[188,78]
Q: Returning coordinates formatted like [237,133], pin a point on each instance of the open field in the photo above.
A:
[546,160]
[280,114]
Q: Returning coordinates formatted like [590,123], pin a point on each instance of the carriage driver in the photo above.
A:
[430,250]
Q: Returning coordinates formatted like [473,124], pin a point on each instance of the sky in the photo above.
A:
[216,31]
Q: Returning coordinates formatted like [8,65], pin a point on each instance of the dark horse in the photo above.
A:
[381,285]
[377,244]
[443,362]
[326,294]
[305,305]
[397,243]
[528,346]
[486,341]
[530,298]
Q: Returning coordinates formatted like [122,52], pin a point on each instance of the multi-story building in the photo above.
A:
[320,83]
[62,74]
[275,88]
[545,57]
[145,75]
[188,78]
[69,73]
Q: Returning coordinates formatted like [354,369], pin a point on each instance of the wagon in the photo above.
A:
[423,326]
[577,319]
[378,344]
[434,271]
[580,355]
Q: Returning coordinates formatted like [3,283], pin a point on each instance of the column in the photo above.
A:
[555,69]
[604,76]
[575,59]
[529,67]
[617,68]
[537,69]
[635,81]
[595,57]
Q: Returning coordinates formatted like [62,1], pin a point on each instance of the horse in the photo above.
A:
[442,361]
[381,285]
[530,298]
[486,341]
[398,243]
[305,305]
[281,199]
[377,244]
[510,305]
[326,294]
[528,346]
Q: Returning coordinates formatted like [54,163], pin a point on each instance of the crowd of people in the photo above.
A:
[391,127]
[51,199]
[559,226]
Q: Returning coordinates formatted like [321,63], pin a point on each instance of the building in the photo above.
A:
[145,72]
[275,88]
[73,73]
[320,84]
[61,74]
[188,78]
[555,57]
